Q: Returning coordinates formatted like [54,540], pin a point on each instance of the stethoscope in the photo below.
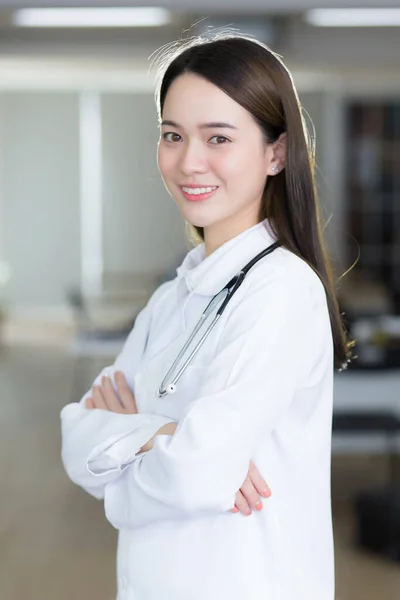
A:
[168,384]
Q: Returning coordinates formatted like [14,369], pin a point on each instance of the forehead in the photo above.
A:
[194,100]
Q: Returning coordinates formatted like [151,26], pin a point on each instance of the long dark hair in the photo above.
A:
[256,78]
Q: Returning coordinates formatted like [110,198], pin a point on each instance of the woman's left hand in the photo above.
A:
[104,396]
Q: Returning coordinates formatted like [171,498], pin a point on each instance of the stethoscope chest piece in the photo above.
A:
[170,388]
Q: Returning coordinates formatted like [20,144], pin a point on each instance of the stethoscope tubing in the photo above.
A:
[232,286]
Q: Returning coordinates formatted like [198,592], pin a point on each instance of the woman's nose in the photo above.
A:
[193,159]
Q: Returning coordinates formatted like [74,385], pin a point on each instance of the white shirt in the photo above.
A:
[261,389]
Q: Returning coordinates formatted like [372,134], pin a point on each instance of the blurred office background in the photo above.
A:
[87,232]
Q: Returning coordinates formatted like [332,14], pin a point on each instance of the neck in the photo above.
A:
[218,234]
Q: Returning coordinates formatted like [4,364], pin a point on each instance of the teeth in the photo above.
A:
[196,191]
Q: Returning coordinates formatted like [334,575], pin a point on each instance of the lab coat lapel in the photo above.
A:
[208,275]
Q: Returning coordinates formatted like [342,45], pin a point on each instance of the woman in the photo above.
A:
[255,403]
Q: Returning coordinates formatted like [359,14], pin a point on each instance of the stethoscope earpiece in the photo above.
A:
[170,388]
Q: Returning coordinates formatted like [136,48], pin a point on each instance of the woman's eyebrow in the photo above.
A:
[213,125]
[217,125]
[170,123]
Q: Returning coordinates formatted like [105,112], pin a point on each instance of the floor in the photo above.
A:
[54,540]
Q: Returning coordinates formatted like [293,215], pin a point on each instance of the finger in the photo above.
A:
[110,397]
[242,504]
[97,397]
[251,495]
[89,403]
[258,481]
[125,393]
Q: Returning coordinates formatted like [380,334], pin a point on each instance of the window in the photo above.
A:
[373,190]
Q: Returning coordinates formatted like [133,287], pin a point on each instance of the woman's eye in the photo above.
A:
[219,139]
[170,136]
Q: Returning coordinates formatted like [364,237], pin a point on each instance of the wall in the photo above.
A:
[40,195]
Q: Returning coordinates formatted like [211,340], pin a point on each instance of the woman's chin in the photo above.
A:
[196,220]
[199,215]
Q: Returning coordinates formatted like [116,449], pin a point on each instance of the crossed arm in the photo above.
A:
[121,400]
[247,391]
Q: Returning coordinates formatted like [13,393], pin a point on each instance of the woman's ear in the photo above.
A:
[278,160]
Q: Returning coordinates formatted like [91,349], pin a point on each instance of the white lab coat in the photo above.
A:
[260,388]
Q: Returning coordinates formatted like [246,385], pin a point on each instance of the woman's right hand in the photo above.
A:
[248,496]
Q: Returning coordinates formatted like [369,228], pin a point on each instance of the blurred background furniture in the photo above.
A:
[93,338]
[102,322]
[374,418]
[384,422]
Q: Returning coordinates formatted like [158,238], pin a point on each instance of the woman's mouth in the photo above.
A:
[195,194]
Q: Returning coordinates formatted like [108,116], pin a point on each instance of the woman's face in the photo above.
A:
[212,156]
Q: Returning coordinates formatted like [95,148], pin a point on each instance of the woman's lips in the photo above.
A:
[198,197]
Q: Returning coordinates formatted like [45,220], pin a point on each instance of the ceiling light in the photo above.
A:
[91,17]
[354,17]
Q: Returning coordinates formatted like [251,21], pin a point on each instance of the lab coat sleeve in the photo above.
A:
[267,345]
[97,445]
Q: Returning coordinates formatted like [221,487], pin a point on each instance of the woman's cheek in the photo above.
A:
[231,166]
[165,157]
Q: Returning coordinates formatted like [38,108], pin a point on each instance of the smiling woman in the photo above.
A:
[253,406]
[216,154]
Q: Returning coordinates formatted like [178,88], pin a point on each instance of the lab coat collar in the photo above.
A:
[208,275]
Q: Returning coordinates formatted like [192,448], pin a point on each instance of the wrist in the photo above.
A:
[167,429]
